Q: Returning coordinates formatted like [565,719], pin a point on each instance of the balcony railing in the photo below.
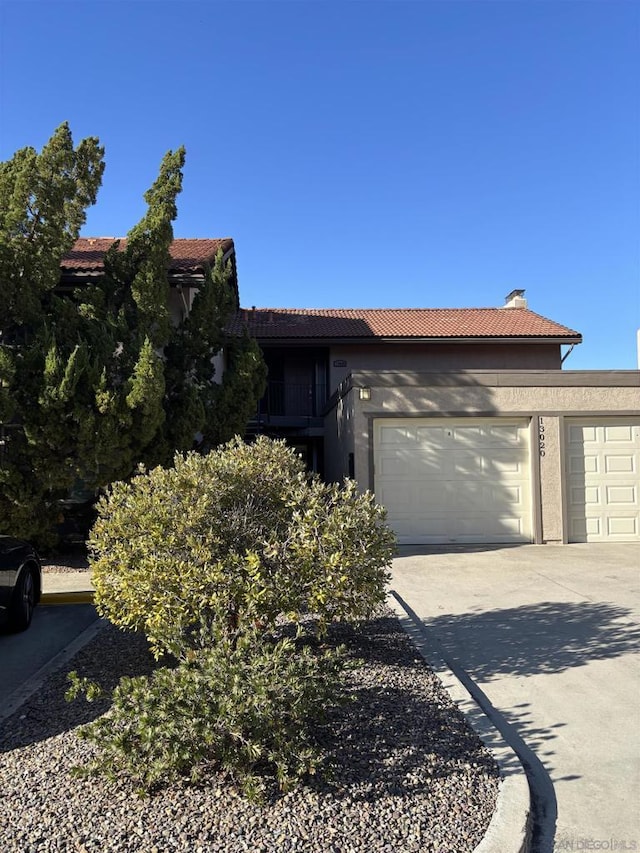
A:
[285,399]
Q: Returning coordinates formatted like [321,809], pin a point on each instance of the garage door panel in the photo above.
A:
[591,465]
[467,435]
[582,434]
[424,462]
[584,464]
[510,496]
[619,464]
[393,436]
[461,480]
[410,467]
[489,499]
[581,528]
[431,436]
[473,496]
[575,435]
[466,464]
[394,497]
[603,527]
[603,488]
[482,498]
[622,495]
[510,433]
[430,532]
[502,529]
[618,433]
[503,463]
[620,525]
[441,501]
[510,528]
[580,497]
[391,467]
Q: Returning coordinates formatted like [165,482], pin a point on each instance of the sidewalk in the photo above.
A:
[67,587]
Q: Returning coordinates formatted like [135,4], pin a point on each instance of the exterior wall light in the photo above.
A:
[365,393]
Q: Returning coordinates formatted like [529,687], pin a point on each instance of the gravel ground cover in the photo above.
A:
[69,562]
[408,774]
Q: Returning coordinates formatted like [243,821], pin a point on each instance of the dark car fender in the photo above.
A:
[16,557]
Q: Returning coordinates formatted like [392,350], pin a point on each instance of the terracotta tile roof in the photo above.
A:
[186,255]
[398,323]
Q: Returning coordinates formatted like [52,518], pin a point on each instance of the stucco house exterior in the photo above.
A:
[462,421]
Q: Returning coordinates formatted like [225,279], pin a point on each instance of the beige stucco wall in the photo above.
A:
[339,439]
[437,357]
[553,396]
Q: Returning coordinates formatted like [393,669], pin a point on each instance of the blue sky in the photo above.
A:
[364,154]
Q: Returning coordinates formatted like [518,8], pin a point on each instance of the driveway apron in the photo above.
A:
[550,635]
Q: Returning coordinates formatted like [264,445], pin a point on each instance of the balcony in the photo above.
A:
[291,404]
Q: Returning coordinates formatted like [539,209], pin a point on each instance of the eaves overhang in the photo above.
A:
[524,339]
[80,277]
[188,262]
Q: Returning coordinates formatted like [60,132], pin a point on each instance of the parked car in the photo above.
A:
[20,582]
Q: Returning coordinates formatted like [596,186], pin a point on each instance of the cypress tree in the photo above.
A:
[96,381]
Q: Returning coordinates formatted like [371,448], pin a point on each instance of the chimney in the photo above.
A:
[515,299]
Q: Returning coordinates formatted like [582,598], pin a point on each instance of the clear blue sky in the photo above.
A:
[364,154]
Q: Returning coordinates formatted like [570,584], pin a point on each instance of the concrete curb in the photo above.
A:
[510,828]
[13,702]
[67,597]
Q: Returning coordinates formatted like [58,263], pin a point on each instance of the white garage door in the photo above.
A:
[603,474]
[454,480]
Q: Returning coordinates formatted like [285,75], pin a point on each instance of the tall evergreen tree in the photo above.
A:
[43,202]
[94,382]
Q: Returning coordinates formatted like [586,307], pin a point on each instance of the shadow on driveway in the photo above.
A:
[547,637]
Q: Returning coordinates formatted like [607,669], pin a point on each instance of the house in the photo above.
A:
[461,421]
[189,257]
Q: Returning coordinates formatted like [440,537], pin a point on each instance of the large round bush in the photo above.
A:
[242,536]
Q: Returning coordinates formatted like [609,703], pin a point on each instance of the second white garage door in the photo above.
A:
[603,479]
[454,480]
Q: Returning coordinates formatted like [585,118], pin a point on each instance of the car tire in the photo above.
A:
[24,601]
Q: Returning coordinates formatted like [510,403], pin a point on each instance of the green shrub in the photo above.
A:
[210,559]
[247,708]
[241,536]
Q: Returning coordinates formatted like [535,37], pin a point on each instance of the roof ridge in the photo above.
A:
[361,310]
[182,239]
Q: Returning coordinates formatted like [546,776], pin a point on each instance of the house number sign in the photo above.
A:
[541,437]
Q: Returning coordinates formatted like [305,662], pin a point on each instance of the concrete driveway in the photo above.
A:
[550,634]
[51,631]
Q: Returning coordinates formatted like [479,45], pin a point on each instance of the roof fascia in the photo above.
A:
[301,341]
[77,277]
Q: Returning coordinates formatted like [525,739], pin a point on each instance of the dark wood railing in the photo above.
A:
[284,399]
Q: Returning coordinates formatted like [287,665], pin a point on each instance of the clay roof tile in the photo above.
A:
[397,323]
[88,253]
